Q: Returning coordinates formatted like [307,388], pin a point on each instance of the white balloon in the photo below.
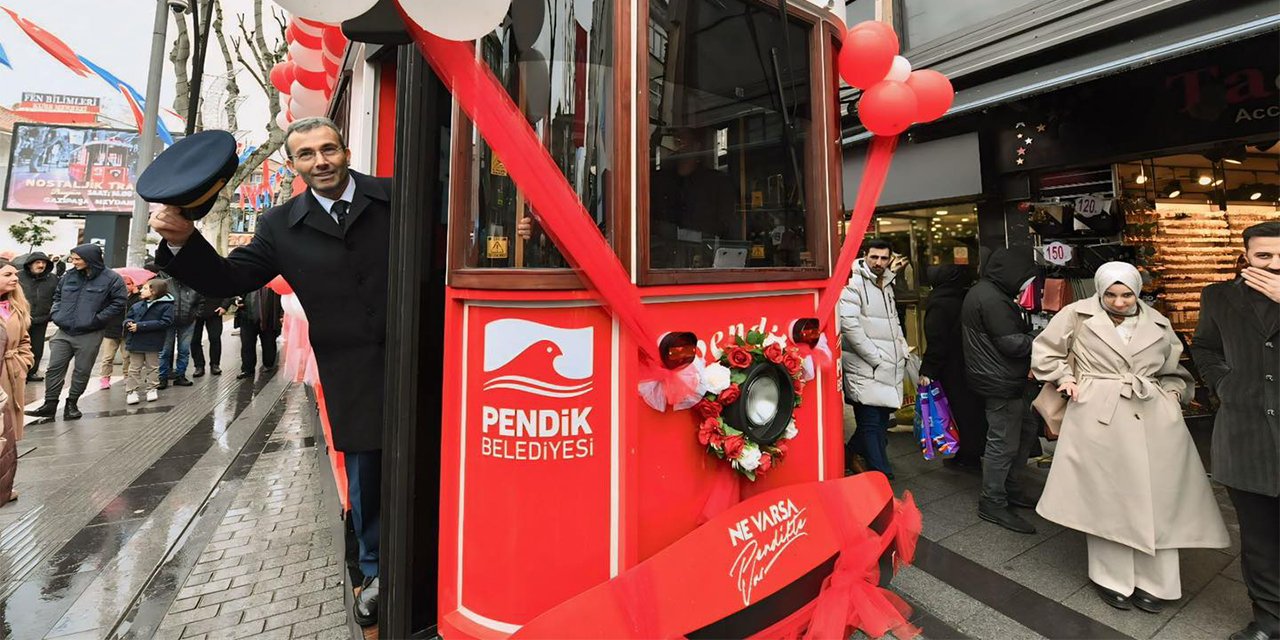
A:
[310,30]
[309,59]
[291,307]
[900,70]
[457,19]
[310,102]
[327,10]
[282,119]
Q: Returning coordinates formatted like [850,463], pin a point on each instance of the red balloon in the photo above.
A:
[934,93]
[866,56]
[310,79]
[279,285]
[293,34]
[334,42]
[331,67]
[290,74]
[883,28]
[887,108]
[281,76]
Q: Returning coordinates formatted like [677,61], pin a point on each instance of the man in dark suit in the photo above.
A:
[331,244]
[1235,349]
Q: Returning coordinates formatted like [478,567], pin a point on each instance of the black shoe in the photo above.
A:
[198,373]
[1147,602]
[71,411]
[182,382]
[1251,632]
[46,410]
[365,609]
[1022,502]
[244,374]
[35,377]
[215,369]
[164,384]
[1005,517]
[270,369]
[1112,598]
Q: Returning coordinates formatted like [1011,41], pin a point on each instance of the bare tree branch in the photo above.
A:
[233,88]
[180,55]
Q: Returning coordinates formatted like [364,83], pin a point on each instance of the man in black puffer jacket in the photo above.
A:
[997,350]
[85,300]
[177,342]
[38,283]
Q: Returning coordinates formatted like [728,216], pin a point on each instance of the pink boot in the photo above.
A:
[106,382]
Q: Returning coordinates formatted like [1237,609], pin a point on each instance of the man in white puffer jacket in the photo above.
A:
[873,353]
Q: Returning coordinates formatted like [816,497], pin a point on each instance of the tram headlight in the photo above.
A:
[806,331]
[678,349]
[764,409]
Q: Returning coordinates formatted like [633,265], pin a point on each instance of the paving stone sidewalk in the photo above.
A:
[272,568]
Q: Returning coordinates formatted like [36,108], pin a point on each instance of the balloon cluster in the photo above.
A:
[460,20]
[893,96]
[309,72]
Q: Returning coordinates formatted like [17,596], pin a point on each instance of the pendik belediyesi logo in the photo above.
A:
[549,367]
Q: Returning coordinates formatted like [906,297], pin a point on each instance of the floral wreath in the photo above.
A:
[722,379]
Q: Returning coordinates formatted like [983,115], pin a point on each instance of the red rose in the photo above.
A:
[766,463]
[729,395]
[707,409]
[739,357]
[733,447]
[773,352]
[709,431]
[798,386]
[781,445]
[792,362]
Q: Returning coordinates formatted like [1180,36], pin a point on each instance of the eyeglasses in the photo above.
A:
[328,151]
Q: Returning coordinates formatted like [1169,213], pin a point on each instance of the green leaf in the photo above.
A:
[730,431]
[739,341]
[751,475]
[738,376]
[755,337]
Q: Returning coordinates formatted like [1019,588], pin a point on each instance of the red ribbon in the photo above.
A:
[851,597]
[879,157]
[553,200]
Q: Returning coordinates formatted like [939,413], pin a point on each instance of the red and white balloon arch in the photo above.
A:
[309,72]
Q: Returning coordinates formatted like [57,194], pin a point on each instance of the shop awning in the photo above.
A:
[1223,25]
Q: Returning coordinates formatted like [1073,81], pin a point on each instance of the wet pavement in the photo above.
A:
[118,509]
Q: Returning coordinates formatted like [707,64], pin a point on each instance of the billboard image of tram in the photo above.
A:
[65,169]
[702,141]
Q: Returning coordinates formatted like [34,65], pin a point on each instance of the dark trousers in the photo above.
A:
[63,349]
[1259,517]
[250,335]
[214,326]
[364,492]
[37,334]
[1011,433]
[871,440]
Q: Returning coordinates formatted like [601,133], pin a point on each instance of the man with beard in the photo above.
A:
[331,244]
[1235,348]
[38,283]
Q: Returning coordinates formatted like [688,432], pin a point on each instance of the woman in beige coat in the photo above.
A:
[1125,471]
[15,318]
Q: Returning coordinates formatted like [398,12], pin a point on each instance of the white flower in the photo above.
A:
[791,431]
[716,377]
[774,338]
[749,459]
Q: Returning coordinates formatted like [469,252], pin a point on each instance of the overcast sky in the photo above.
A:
[116,36]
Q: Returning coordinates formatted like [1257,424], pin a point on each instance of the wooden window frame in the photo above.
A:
[462,168]
[817,194]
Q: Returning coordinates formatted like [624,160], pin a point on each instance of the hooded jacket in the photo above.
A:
[997,336]
[115,326]
[873,350]
[85,301]
[39,289]
[154,317]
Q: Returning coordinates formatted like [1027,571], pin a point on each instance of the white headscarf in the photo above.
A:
[1117,272]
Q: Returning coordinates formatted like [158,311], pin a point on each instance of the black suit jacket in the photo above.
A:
[1239,358]
[340,276]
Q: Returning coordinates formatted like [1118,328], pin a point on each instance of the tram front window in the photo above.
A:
[729,120]
[558,67]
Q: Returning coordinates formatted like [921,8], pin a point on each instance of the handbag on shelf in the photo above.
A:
[1057,294]
[1050,403]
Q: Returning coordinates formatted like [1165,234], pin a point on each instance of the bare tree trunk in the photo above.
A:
[233,88]
[180,55]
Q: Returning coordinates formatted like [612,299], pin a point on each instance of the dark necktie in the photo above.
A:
[340,212]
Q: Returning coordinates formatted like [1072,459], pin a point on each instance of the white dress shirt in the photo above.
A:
[348,196]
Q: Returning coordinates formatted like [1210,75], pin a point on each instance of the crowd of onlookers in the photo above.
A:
[152,322]
[1107,372]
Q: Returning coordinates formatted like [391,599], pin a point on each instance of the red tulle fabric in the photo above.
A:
[879,157]
[530,166]
[910,523]
[851,598]
[663,388]
[726,491]
[279,285]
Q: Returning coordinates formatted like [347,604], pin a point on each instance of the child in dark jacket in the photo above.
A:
[145,328]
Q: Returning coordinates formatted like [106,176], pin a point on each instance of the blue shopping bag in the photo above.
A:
[935,426]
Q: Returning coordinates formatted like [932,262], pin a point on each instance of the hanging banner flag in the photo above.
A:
[4,59]
[50,43]
[137,104]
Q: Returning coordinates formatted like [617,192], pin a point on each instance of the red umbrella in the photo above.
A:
[50,43]
[137,274]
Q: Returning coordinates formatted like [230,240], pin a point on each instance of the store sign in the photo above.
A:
[1090,206]
[537,430]
[1057,253]
[34,101]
